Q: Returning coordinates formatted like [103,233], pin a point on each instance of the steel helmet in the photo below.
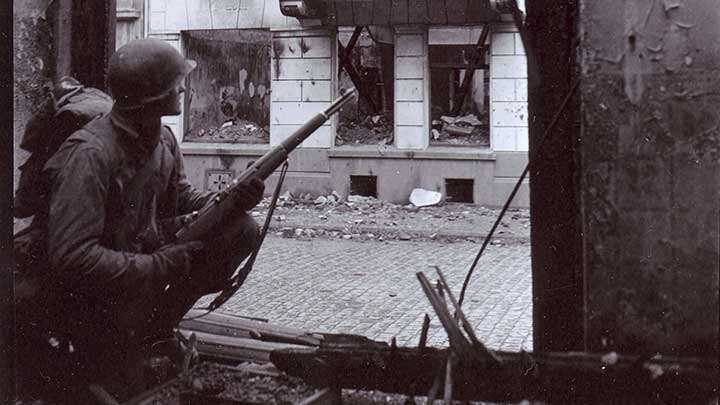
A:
[144,71]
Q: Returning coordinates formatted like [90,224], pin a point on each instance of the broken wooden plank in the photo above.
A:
[232,326]
[459,315]
[552,377]
[236,350]
[477,59]
[424,331]
[326,396]
[458,342]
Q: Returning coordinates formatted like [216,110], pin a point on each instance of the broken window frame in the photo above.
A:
[458,69]
[376,115]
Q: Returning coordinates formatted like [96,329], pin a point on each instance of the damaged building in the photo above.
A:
[624,199]
[442,94]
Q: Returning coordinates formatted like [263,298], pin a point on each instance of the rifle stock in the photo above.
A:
[213,214]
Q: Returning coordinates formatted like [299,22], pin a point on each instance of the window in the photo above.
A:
[228,94]
[369,68]
[459,104]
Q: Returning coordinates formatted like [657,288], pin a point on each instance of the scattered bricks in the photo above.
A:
[447,120]
[469,119]
[457,130]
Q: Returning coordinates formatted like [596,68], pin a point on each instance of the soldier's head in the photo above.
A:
[147,75]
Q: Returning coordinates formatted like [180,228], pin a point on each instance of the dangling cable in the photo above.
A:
[514,191]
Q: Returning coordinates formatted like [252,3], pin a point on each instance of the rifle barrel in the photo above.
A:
[213,214]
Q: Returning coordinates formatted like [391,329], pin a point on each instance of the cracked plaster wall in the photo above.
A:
[650,148]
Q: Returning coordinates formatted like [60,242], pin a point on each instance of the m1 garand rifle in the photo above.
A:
[209,219]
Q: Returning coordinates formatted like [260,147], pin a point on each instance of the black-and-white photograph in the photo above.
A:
[363,202]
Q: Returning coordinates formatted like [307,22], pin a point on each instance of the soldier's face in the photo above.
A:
[173,101]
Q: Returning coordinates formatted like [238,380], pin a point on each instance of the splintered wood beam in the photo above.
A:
[424,331]
[344,53]
[236,350]
[458,343]
[477,60]
[553,377]
[233,326]
[486,353]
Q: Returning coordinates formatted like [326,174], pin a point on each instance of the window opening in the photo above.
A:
[460,115]
[365,186]
[228,93]
[365,61]
[459,190]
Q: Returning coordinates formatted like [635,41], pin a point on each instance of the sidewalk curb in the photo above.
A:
[385,230]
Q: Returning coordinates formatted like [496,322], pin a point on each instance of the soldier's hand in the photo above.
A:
[179,257]
[249,193]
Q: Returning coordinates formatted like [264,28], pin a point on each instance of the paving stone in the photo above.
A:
[370,288]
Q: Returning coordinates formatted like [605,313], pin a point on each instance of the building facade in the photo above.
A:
[300,70]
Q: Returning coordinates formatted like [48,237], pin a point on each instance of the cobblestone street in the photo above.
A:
[370,288]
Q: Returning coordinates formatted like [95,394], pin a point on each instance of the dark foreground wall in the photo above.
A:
[650,175]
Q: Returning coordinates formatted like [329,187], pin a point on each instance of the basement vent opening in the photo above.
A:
[365,186]
[459,190]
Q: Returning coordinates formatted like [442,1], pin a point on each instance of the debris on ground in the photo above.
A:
[367,130]
[215,382]
[365,218]
[232,131]
[465,129]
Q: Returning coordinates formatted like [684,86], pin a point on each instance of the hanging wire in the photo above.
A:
[237,281]
[514,191]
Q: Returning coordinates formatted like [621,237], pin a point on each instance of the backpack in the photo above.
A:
[66,109]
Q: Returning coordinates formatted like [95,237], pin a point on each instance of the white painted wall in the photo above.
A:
[172,16]
[508,91]
[411,88]
[166,18]
[303,79]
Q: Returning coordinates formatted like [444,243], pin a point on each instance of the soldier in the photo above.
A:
[116,282]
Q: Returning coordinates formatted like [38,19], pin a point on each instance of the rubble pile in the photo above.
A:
[234,131]
[368,130]
[463,129]
[305,216]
